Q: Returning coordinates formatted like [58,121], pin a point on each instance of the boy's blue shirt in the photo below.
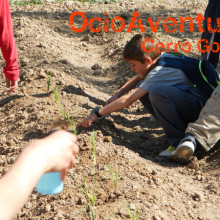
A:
[168,76]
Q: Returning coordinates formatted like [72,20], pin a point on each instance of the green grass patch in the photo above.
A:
[95,1]
[26,2]
[31,2]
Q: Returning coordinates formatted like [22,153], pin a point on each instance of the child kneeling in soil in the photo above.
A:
[166,92]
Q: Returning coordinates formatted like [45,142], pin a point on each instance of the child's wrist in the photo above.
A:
[97,113]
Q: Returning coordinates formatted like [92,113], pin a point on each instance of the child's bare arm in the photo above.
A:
[128,86]
[114,106]
[123,102]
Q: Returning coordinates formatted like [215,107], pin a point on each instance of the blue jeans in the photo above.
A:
[173,108]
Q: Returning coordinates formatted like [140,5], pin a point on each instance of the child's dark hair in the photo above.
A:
[134,51]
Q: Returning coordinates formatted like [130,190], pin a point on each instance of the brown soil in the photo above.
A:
[157,188]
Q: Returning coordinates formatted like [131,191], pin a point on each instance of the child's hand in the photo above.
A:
[87,122]
[11,85]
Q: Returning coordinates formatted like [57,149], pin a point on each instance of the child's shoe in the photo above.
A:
[167,152]
[184,150]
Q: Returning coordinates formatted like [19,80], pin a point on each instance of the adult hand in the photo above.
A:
[53,153]
[11,85]
[57,152]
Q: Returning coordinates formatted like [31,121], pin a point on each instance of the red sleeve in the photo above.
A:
[7,42]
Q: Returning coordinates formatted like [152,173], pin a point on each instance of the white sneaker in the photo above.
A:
[167,152]
[184,150]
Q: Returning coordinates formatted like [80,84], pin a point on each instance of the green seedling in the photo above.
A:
[73,125]
[93,148]
[93,214]
[110,216]
[56,96]
[83,188]
[132,217]
[91,199]
[93,190]
[82,210]
[48,82]
[115,176]
[94,171]
[62,110]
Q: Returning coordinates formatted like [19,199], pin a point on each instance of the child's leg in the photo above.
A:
[145,100]
[174,108]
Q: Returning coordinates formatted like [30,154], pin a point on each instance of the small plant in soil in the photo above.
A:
[73,125]
[93,148]
[56,95]
[83,187]
[115,176]
[91,199]
[132,216]
[62,110]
